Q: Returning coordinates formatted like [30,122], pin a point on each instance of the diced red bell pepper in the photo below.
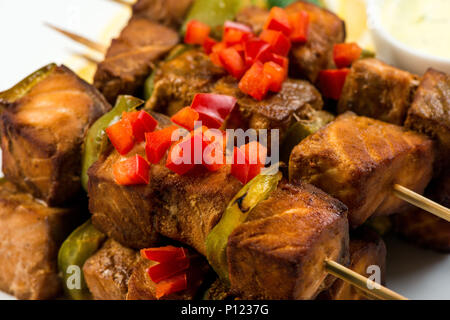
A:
[173,285]
[280,42]
[213,108]
[183,156]
[196,32]
[214,56]
[257,49]
[209,44]
[279,21]
[237,26]
[281,61]
[165,270]
[186,118]
[300,26]
[240,167]
[256,155]
[213,156]
[345,54]
[157,143]
[132,171]
[141,122]
[232,61]
[275,75]
[121,136]
[164,254]
[254,83]
[235,33]
[331,82]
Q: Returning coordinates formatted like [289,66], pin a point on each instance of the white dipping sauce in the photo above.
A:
[420,24]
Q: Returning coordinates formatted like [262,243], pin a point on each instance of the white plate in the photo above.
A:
[28,45]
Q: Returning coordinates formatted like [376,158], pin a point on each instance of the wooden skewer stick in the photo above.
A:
[378,291]
[87,57]
[80,39]
[422,202]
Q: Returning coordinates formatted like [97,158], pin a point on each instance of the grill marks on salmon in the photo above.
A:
[358,160]
[131,57]
[42,135]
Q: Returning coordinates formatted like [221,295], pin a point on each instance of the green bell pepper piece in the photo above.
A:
[96,140]
[21,89]
[302,129]
[77,248]
[236,213]
[285,3]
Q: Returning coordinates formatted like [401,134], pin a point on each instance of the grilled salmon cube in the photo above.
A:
[30,236]
[108,271]
[423,228]
[358,160]
[279,251]
[42,135]
[367,249]
[430,113]
[132,56]
[377,90]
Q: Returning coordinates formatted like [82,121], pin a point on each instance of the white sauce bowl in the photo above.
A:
[395,52]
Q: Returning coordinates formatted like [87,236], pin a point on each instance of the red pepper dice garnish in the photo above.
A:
[186,118]
[213,109]
[344,54]
[331,82]
[170,274]
[248,160]
[133,171]
[196,32]
[157,143]
[240,49]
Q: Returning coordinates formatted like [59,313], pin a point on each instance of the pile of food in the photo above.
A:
[95,203]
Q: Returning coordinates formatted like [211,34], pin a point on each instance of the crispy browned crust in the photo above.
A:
[326,29]
[190,206]
[424,228]
[177,81]
[430,113]
[277,111]
[366,249]
[108,271]
[132,56]
[30,236]
[170,13]
[377,90]
[358,159]
[141,287]
[43,132]
[121,212]
[279,252]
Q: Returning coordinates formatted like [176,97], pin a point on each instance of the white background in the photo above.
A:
[26,45]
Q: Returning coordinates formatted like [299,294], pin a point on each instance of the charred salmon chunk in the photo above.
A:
[121,212]
[358,160]
[141,287]
[132,56]
[296,100]
[279,251]
[423,228]
[430,113]
[30,236]
[177,81]
[377,90]
[42,134]
[169,13]
[325,30]
[108,271]
[367,254]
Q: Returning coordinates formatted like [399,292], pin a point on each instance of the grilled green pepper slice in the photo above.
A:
[236,213]
[96,139]
[302,129]
[20,89]
[74,252]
